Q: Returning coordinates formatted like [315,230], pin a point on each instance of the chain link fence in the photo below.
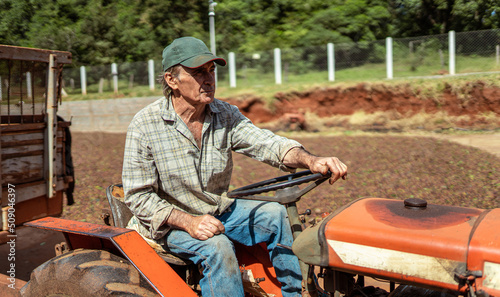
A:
[99,78]
[475,52]
[22,87]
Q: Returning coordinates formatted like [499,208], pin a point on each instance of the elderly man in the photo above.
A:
[177,169]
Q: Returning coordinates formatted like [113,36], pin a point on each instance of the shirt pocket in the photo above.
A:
[219,170]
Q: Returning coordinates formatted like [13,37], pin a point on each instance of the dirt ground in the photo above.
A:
[97,156]
[378,108]
[486,142]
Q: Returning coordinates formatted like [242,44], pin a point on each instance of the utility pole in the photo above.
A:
[211,19]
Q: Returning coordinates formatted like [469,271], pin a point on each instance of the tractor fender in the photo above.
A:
[122,242]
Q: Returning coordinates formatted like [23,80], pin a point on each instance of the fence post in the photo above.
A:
[331,61]
[101,86]
[451,49]
[151,73]
[28,85]
[83,80]
[277,66]
[114,72]
[498,54]
[232,70]
[388,50]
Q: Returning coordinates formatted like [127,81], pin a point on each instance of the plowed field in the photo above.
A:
[396,167]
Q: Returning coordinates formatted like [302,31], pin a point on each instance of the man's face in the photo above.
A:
[197,85]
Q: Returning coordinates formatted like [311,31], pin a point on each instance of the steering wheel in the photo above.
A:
[285,181]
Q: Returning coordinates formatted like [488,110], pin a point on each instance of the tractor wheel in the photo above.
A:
[87,273]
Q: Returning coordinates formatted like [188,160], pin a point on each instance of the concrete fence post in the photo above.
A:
[331,61]
[277,66]
[29,85]
[389,57]
[498,54]
[151,74]
[232,70]
[451,50]
[114,73]
[83,80]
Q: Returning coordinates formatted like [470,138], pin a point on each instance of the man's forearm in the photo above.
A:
[298,157]
[179,219]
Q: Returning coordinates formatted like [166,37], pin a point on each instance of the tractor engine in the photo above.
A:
[444,248]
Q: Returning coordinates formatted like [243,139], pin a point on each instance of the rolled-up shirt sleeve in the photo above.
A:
[140,183]
[260,144]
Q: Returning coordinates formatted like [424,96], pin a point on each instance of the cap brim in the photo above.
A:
[199,60]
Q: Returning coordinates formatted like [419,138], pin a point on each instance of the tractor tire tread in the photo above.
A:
[87,273]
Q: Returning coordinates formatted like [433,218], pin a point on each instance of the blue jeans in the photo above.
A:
[249,222]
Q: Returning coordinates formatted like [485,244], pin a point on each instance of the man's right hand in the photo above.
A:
[205,226]
[199,227]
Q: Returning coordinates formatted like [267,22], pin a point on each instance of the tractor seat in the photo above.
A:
[120,216]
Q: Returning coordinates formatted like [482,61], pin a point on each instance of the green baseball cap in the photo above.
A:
[189,52]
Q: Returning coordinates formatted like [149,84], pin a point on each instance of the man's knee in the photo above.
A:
[279,209]
[222,256]
[221,247]
[276,212]
[221,243]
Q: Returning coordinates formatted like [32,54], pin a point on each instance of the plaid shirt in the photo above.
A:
[164,168]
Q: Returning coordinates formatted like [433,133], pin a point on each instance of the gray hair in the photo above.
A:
[174,71]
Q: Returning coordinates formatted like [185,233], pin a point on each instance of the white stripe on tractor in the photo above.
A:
[492,275]
[407,264]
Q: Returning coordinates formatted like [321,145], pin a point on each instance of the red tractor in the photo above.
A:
[419,249]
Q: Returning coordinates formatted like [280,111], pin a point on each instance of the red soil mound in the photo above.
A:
[475,98]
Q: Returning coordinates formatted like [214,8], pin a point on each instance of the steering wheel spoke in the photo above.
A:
[287,184]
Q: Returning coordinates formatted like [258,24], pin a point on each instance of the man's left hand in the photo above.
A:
[332,164]
[300,158]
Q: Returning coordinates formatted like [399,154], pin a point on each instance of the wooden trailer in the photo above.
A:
[36,167]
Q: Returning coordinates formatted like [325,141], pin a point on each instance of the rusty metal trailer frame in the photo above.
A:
[30,135]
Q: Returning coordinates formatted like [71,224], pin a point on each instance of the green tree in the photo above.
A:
[54,25]
[257,25]
[15,16]
[426,17]
[475,15]
[351,20]
[167,20]
[261,25]
[112,31]
[105,31]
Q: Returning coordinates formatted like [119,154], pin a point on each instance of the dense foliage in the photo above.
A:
[104,31]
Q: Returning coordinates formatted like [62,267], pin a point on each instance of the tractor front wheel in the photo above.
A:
[87,273]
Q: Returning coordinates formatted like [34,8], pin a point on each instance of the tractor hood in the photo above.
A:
[408,241]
